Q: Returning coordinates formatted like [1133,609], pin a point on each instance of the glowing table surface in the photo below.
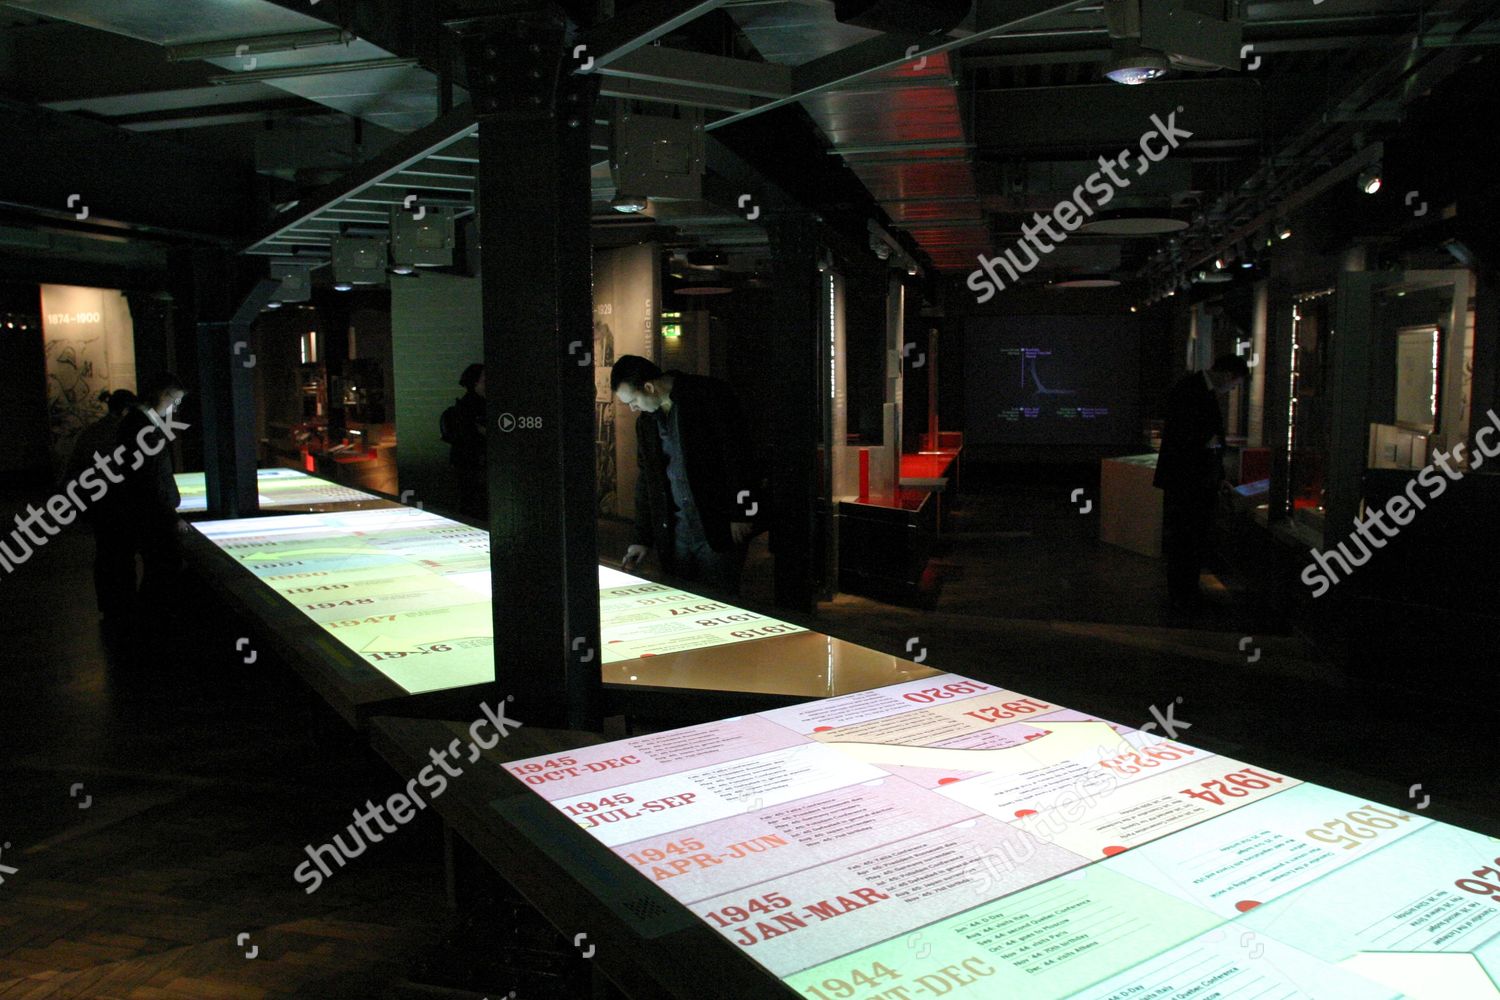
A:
[280,489]
[948,837]
[407,592]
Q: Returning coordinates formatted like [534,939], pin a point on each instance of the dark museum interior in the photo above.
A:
[839,499]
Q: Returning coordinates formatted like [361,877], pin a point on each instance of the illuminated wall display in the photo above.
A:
[90,345]
[945,836]
[408,592]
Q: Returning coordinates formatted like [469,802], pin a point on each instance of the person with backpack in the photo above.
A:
[462,426]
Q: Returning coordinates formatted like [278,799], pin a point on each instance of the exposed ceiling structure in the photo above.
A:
[954,131]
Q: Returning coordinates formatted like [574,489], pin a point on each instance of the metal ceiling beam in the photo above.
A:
[639,25]
[655,64]
[1041,48]
[410,150]
[890,51]
[665,93]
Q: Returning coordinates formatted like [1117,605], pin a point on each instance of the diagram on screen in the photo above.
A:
[1029,369]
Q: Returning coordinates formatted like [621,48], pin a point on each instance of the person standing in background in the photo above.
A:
[463,427]
[693,473]
[1190,471]
[98,439]
[139,515]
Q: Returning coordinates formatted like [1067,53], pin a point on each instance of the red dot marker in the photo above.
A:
[1112,850]
[1246,905]
[947,781]
[822,729]
[1023,813]
[644,655]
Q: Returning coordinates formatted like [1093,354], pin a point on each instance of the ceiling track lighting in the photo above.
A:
[1369,179]
[1134,66]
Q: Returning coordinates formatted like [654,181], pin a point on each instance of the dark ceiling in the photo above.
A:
[945,143]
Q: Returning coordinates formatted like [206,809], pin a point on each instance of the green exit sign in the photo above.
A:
[671,329]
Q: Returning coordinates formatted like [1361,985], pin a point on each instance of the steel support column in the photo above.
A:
[1275,363]
[1348,395]
[797,330]
[534,194]
[225,361]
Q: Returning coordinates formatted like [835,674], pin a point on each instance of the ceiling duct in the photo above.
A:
[923,17]
[260,43]
[901,131]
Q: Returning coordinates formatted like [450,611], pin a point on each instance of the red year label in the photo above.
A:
[1009,710]
[1479,887]
[926,696]
[1232,786]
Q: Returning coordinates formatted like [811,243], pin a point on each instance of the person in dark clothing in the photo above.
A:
[138,516]
[464,427]
[1190,471]
[96,441]
[693,473]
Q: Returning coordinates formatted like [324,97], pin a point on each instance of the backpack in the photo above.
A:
[448,422]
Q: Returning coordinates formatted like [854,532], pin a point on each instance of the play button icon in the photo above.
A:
[507,422]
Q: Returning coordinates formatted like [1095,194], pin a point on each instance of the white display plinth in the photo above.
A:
[1129,506]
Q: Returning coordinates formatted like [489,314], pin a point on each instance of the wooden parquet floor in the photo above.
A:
[203,779]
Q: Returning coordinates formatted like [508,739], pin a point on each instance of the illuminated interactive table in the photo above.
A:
[948,837]
[397,602]
[281,490]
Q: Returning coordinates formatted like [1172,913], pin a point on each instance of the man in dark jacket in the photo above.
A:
[465,424]
[139,515]
[1189,471]
[693,473]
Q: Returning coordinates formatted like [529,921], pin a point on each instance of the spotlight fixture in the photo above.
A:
[273,304]
[1247,264]
[343,286]
[912,270]
[1222,262]
[1283,231]
[403,269]
[1134,66]
[359,260]
[1369,179]
[628,205]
